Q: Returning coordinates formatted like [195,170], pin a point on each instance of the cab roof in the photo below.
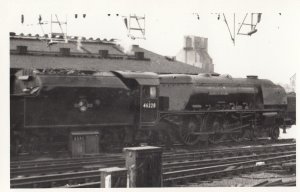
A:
[143,78]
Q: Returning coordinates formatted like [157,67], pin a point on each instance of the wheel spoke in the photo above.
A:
[187,139]
[187,130]
[274,133]
[216,124]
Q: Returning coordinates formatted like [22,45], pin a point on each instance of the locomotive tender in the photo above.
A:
[47,106]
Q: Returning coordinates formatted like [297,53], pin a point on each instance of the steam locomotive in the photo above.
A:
[57,107]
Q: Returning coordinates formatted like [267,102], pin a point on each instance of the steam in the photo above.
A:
[126,45]
[79,45]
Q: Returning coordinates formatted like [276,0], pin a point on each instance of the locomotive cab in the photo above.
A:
[145,87]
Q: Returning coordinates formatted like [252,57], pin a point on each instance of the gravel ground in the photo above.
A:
[246,180]
[251,179]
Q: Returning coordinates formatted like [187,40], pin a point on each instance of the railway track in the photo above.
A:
[188,177]
[64,165]
[66,160]
[21,160]
[218,171]
[177,167]
[277,183]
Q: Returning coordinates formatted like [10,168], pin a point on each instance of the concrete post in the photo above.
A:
[144,166]
[113,177]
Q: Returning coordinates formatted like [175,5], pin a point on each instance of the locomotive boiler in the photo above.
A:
[214,107]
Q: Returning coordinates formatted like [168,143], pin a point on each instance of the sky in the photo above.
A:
[271,53]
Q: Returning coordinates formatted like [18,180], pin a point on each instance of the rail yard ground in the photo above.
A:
[220,166]
[274,176]
[253,179]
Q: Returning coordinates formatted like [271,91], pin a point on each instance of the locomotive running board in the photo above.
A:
[216,111]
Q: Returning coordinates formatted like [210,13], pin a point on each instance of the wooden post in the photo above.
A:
[144,166]
[113,177]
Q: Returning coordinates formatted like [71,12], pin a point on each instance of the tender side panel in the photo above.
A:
[16,112]
[79,107]
[55,100]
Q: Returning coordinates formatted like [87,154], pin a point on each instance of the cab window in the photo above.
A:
[149,92]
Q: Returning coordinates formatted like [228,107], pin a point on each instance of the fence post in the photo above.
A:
[113,177]
[144,166]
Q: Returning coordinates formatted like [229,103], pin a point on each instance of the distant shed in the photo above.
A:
[89,54]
